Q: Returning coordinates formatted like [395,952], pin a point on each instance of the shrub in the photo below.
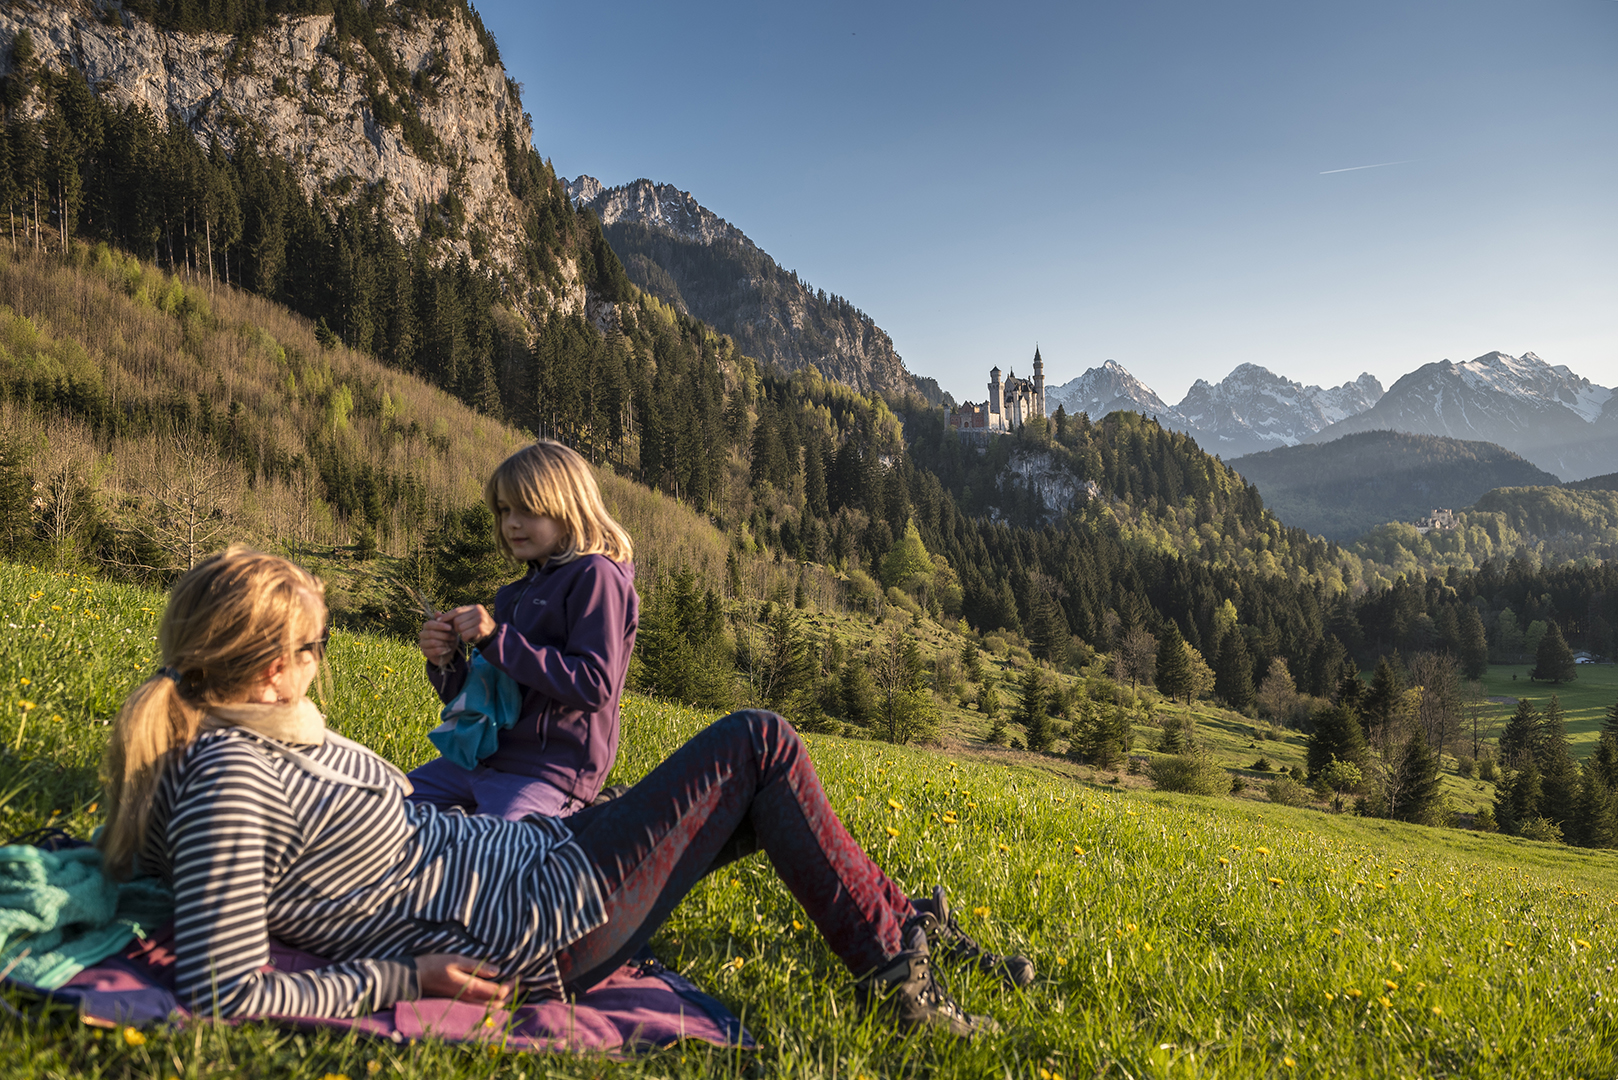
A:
[1287,792]
[1540,828]
[1238,784]
[1483,820]
[1190,774]
[1466,767]
[1487,770]
[1262,765]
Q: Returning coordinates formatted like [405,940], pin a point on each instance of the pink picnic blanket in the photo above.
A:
[640,1007]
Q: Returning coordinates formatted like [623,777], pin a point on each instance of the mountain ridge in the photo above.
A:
[691,258]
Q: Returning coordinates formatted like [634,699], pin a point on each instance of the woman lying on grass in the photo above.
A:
[223,779]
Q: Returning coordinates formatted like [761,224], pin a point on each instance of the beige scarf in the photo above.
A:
[297,723]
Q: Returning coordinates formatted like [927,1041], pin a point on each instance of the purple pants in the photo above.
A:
[483,790]
[743,783]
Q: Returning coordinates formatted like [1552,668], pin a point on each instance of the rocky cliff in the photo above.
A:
[418,110]
[683,253]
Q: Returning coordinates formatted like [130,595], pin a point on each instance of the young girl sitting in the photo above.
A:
[223,780]
[564,632]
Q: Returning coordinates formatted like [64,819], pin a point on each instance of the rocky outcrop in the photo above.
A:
[300,91]
[689,257]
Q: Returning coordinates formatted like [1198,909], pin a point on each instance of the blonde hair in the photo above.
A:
[228,619]
[550,479]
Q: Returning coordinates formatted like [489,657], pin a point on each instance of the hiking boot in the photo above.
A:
[955,945]
[906,991]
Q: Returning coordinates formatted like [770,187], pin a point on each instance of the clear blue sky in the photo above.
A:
[1149,182]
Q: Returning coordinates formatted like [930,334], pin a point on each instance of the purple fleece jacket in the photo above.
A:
[564,633]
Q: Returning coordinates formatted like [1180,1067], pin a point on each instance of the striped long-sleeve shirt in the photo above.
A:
[317,847]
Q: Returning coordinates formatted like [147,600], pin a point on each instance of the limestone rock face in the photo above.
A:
[301,92]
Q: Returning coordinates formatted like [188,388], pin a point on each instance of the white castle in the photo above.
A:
[1011,403]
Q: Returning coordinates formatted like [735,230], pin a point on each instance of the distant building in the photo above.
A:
[1012,402]
[1440,519]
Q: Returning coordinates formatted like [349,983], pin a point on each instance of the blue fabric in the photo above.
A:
[60,914]
[489,701]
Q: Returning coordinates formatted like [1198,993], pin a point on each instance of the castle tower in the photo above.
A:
[1039,383]
[994,392]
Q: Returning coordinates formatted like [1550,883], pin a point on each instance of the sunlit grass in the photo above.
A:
[1174,936]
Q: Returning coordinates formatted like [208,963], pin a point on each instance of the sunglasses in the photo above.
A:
[317,649]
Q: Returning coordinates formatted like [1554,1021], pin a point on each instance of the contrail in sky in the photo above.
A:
[1357,168]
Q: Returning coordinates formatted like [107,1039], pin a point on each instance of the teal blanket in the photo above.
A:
[59,914]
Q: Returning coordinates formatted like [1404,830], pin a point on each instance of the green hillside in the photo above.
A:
[1174,935]
[1343,488]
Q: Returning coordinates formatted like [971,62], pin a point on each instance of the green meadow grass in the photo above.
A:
[1175,936]
[1585,700]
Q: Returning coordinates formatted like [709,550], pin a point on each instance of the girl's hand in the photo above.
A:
[438,641]
[472,623]
[451,975]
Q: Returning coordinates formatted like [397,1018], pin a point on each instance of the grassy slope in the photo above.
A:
[1585,700]
[1175,936]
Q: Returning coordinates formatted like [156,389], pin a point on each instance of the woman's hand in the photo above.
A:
[451,975]
[473,622]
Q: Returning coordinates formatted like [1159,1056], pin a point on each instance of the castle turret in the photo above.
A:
[994,391]
[1039,383]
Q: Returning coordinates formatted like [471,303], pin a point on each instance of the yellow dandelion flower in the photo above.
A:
[1420,987]
[1330,997]
[1437,1011]
[892,831]
[1396,966]
[895,804]
[1061,961]
[133,1037]
[1354,993]
[1235,847]
[981,912]
[859,798]
[1275,881]
[1261,851]
[1147,945]
[24,704]
[1289,1063]
[1359,881]
[1380,885]
[1129,927]
[56,607]
[1390,984]
[1581,943]
[972,806]
[1336,933]
[488,1021]
[1003,848]
[57,718]
[1077,850]
[26,681]
[1386,1004]
[1509,944]
[1223,861]
[949,818]
[796,925]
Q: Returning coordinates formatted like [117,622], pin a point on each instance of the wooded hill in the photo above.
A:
[1344,488]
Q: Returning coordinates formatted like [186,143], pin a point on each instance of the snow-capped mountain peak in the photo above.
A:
[1104,389]
[1254,409]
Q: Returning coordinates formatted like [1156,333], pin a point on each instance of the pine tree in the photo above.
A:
[1031,712]
[1382,702]
[1416,795]
[1233,675]
[1595,825]
[1559,776]
[1174,676]
[1520,741]
[1517,798]
[1474,644]
[1337,737]
[1554,660]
